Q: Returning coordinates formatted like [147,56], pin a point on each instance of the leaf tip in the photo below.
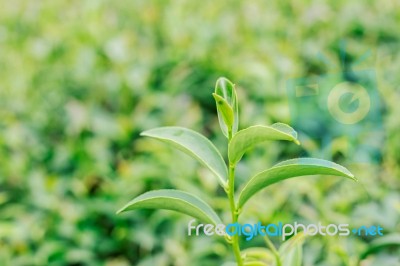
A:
[222,82]
[223,79]
[351,175]
[123,209]
[297,142]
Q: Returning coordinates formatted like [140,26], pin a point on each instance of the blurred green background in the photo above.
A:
[79,80]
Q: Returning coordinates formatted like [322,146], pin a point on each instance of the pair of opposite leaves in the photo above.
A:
[199,147]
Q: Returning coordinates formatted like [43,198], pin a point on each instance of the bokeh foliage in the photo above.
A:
[79,80]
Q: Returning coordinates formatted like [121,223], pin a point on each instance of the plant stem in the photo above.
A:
[274,250]
[234,213]
[231,193]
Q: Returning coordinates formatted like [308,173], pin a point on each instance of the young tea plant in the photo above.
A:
[202,149]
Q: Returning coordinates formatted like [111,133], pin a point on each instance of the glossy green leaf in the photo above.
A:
[175,200]
[225,110]
[291,251]
[289,169]
[246,138]
[226,90]
[194,144]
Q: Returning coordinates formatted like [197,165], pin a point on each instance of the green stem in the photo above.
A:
[234,213]
[231,193]
[274,250]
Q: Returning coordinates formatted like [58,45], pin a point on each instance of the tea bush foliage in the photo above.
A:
[79,81]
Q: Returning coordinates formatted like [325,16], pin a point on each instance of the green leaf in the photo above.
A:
[291,252]
[382,242]
[226,90]
[246,138]
[225,110]
[194,144]
[288,169]
[175,200]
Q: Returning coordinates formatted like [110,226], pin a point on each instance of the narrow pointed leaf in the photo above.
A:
[226,90]
[175,200]
[225,110]
[246,138]
[194,144]
[288,169]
